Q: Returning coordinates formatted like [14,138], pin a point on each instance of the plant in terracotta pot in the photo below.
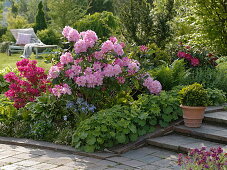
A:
[193,99]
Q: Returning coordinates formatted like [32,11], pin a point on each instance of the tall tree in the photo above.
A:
[101,5]
[143,22]
[40,18]
[67,12]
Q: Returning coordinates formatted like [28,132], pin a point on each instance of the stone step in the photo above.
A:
[217,117]
[211,109]
[206,131]
[181,143]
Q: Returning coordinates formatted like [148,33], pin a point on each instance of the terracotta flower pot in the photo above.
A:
[193,116]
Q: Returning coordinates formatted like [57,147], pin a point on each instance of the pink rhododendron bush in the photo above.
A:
[99,72]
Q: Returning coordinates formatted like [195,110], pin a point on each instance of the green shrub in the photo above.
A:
[194,95]
[104,24]
[171,76]
[216,97]
[209,77]
[49,36]
[122,124]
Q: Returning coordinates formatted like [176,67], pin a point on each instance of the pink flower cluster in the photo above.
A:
[94,67]
[59,90]
[193,61]
[143,48]
[31,82]
[153,86]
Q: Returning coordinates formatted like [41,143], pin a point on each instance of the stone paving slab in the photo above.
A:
[211,109]
[25,158]
[213,132]
[181,143]
[217,117]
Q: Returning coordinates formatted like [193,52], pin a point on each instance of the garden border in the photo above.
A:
[115,151]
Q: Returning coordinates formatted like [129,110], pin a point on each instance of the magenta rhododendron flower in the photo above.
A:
[30,83]
[181,54]
[194,61]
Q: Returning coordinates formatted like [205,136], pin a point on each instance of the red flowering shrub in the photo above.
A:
[30,82]
[196,58]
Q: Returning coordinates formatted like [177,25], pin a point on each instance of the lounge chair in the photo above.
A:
[28,42]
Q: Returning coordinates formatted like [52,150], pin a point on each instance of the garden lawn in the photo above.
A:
[6,60]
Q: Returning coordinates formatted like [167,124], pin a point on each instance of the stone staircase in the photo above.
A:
[212,133]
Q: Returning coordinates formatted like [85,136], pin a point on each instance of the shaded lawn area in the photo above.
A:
[6,60]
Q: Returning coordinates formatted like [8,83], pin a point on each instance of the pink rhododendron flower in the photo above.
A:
[66,31]
[122,44]
[110,71]
[78,60]
[97,66]
[153,86]
[80,46]
[81,81]
[98,55]
[118,49]
[73,35]
[66,58]
[133,67]
[143,48]
[88,71]
[107,46]
[53,72]
[113,40]
[121,80]
[90,38]
[120,62]
[59,90]
[195,61]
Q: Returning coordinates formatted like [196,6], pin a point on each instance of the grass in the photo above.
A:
[6,60]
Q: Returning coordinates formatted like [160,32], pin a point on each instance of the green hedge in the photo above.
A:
[122,124]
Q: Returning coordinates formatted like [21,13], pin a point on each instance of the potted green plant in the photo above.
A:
[193,99]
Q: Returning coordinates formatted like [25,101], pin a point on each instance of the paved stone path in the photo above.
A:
[23,158]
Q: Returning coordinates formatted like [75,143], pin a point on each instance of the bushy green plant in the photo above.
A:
[170,76]
[40,18]
[208,77]
[49,36]
[216,97]
[104,24]
[122,124]
[194,95]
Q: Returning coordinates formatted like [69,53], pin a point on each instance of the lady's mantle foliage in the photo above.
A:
[91,64]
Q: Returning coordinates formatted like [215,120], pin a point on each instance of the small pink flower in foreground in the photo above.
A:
[143,48]
[66,58]
[194,61]
[153,86]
